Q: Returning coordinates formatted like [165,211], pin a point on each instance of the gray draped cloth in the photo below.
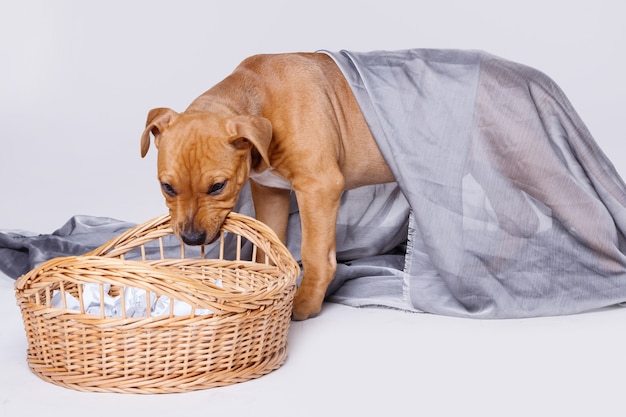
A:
[504,205]
[515,211]
[371,241]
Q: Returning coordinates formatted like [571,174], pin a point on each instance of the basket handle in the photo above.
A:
[258,233]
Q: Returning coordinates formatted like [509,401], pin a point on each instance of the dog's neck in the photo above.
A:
[237,94]
[214,103]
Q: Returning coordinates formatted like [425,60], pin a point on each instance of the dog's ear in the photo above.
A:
[246,130]
[158,120]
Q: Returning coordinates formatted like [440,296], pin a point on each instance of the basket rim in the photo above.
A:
[162,276]
[155,277]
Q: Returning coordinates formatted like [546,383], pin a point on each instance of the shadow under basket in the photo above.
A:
[145,314]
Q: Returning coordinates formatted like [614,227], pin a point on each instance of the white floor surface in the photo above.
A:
[375,362]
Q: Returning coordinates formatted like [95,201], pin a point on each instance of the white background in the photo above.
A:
[77,79]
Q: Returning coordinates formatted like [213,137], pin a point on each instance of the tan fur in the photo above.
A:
[294,113]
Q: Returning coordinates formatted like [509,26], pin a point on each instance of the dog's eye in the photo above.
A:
[168,189]
[217,188]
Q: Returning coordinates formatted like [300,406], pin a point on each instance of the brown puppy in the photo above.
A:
[287,122]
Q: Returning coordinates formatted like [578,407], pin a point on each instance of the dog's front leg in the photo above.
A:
[271,206]
[318,215]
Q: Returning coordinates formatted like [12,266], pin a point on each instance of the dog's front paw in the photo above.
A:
[306,305]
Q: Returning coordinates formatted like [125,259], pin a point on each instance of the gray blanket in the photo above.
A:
[504,205]
[515,211]
[371,227]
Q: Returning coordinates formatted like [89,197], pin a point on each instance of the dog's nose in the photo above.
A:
[193,237]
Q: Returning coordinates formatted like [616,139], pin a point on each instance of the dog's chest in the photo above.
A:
[269,178]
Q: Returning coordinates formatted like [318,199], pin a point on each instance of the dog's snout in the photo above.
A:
[193,237]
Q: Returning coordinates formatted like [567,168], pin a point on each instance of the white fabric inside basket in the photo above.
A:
[136,303]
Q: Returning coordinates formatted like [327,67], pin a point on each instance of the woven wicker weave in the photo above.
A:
[244,337]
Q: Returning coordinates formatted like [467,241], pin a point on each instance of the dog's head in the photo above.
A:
[203,162]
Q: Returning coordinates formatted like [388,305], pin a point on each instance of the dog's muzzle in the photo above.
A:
[193,237]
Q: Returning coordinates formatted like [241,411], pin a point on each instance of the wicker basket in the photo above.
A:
[235,327]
